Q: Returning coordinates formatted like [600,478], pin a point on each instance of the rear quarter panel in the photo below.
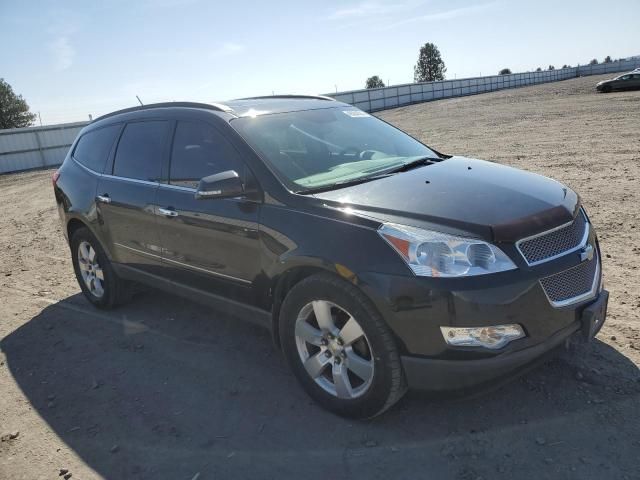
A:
[75,193]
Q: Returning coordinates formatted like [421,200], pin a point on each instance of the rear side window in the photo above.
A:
[199,150]
[140,150]
[94,147]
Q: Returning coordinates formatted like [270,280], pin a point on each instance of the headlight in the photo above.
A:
[435,254]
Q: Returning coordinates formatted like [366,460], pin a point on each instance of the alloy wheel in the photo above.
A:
[90,269]
[334,349]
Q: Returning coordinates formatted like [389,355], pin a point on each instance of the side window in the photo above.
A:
[141,149]
[199,150]
[94,147]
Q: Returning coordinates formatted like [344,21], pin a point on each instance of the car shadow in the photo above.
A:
[164,388]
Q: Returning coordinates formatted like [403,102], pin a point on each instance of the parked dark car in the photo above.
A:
[626,81]
[378,262]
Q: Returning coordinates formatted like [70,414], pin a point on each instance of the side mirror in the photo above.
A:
[221,185]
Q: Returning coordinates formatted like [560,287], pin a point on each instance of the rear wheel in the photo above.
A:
[94,272]
[90,269]
[340,348]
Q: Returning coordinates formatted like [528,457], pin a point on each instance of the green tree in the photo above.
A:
[538,69]
[14,111]
[505,71]
[594,62]
[551,67]
[430,66]
[374,82]
[566,66]
[607,59]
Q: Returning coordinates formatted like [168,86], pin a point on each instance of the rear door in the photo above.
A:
[126,194]
[209,244]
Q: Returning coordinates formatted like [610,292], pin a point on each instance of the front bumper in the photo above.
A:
[439,375]
[416,307]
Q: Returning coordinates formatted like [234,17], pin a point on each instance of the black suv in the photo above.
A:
[378,263]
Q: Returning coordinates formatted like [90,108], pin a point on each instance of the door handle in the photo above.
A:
[167,212]
[104,198]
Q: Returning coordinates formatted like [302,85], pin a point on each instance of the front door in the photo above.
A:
[209,244]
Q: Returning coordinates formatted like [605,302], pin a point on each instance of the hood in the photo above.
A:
[488,200]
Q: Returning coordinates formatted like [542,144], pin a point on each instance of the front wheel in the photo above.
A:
[340,348]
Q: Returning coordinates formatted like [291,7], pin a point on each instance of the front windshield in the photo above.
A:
[318,148]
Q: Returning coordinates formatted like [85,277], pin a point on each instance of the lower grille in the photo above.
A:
[573,285]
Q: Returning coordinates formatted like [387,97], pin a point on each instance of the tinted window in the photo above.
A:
[199,150]
[140,150]
[94,147]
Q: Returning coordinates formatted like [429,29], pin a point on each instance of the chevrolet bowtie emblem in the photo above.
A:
[586,253]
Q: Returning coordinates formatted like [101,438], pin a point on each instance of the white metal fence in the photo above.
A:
[36,147]
[375,99]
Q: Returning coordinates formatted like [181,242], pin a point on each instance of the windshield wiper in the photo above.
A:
[342,183]
[418,162]
[380,174]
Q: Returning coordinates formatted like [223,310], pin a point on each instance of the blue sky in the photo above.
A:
[69,59]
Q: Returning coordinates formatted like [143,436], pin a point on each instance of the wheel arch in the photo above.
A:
[75,223]
[282,284]
[290,277]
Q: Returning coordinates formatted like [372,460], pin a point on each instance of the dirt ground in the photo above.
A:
[163,388]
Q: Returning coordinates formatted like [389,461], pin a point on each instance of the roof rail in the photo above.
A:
[208,106]
[316,97]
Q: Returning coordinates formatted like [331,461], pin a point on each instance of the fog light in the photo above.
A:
[493,337]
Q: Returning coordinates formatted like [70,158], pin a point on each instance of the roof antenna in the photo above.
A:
[142,104]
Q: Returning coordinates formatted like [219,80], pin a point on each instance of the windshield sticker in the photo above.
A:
[356,113]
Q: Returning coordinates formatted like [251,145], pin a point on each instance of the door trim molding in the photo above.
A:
[211,272]
[135,250]
[193,267]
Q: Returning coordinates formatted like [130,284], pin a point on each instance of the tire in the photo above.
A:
[89,257]
[606,89]
[316,330]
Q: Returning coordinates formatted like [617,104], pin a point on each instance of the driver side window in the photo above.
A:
[199,150]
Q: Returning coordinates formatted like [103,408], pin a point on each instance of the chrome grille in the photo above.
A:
[548,245]
[573,285]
